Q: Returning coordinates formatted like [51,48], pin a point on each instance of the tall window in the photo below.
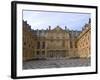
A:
[38,53]
[71,46]
[38,45]
[43,52]
[43,45]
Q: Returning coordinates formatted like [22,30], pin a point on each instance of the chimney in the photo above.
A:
[49,27]
[25,22]
[89,20]
[65,27]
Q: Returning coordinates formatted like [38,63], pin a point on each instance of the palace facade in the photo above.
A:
[56,43]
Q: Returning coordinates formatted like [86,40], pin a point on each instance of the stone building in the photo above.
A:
[28,42]
[55,43]
[84,41]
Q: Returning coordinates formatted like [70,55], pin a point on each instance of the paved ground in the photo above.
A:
[36,64]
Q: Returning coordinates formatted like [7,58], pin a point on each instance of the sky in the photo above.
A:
[43,19]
